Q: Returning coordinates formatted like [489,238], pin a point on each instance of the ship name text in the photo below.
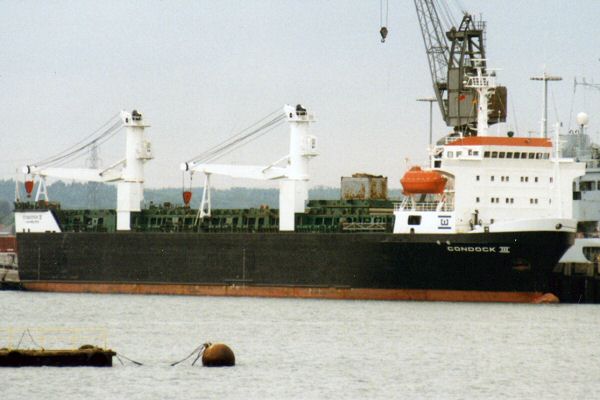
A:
[479,249]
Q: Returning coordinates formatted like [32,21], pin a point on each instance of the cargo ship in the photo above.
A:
[486,220]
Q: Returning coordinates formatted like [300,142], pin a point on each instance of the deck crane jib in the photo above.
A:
[128,172]
[290,170]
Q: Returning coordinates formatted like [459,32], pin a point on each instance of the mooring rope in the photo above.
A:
[128,359]
[200,349]
[119,358]
[197,357]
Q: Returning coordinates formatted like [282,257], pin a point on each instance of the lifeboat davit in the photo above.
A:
[417,181]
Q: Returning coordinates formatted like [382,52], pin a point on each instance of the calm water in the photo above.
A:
[311,348]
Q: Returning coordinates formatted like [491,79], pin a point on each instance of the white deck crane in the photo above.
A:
[293,177]
[128,173]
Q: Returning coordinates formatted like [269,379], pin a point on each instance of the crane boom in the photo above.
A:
[436,48]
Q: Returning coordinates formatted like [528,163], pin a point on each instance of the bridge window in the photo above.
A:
[414,220]
[586,186]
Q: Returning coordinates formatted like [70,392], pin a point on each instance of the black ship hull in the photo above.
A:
[515,266]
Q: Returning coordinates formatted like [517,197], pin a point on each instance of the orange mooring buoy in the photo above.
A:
[217,355]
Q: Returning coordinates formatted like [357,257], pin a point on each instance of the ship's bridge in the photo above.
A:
[477,148]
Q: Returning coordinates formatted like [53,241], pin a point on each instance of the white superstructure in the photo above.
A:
[493,184]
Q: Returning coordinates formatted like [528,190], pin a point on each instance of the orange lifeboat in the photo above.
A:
[417,181]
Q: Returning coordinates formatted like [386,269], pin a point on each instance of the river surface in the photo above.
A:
[305,349]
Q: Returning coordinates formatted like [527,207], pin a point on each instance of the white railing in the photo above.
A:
[408,205]
[364,226]
[451,139]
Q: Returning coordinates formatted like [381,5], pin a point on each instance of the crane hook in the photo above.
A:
[383,31]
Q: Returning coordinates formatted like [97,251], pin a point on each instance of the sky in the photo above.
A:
[201,71]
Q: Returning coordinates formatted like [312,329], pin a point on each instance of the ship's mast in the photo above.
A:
[130,189]
[545,78]
[484,84]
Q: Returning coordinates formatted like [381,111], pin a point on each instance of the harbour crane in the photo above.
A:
[454,56]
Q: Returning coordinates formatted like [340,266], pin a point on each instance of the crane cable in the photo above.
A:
[81,151]
[259,133]
[87,141]
[232,138]
[446,15]
[383,31]
[243,137]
